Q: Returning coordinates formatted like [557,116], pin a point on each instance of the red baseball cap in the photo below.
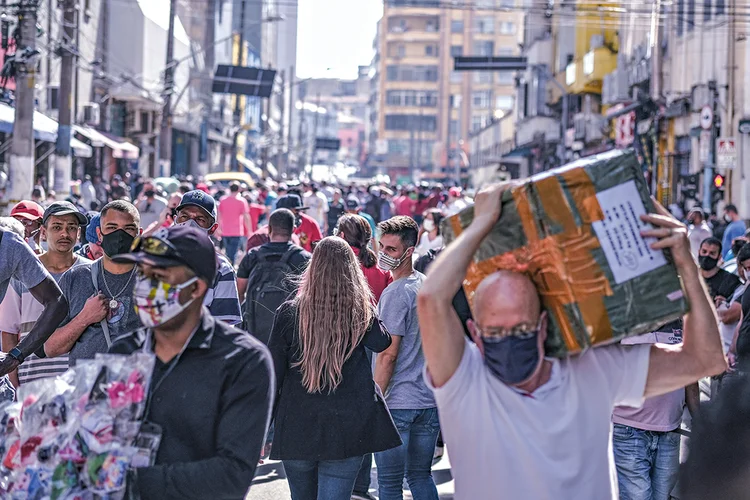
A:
[455,192]
[28,210]
[202,186]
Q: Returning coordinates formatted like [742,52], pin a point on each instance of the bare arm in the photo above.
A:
[674,367]
[242,288]
[9,341]
[385,364]
[442,333]
[65,337]
[731,314]
[248,224]
[693,399]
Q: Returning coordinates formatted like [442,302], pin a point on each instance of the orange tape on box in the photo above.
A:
[562,266]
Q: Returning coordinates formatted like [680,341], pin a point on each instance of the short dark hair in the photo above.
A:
[716,242]
[404,227]
[731,208]
[234,187]
[743,254]
[122,206]
[281,222]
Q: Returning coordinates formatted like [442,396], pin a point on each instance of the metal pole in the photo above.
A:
[240,61]
[457,103]
[63,163]
[21,172]
[165,136]
[280,145]
[289,125]
[313,149]
[708,171]
[209,49]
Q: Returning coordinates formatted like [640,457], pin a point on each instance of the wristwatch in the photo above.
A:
[16,354]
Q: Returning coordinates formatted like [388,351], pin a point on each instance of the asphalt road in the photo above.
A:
[270,482]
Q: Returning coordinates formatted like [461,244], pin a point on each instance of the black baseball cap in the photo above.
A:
[60,208]
[290,201]
[175,246]
[198,198]
[352,203]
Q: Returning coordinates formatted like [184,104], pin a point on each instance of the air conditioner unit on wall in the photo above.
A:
[90,114]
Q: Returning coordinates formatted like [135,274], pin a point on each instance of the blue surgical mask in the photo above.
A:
[512,359]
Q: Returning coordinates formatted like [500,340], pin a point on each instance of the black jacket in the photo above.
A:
[351,421]
[213,407]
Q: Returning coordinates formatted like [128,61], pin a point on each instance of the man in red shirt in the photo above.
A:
[234,220]
[306,233]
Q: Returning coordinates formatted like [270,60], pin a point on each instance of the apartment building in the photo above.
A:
[422,109]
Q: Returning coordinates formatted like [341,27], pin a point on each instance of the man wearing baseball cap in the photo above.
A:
[354,207]
[30,214]
[307,228]
[198,210]
[213,385]
[19,311]
[92,250]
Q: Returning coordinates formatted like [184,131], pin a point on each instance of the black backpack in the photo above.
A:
[270,284]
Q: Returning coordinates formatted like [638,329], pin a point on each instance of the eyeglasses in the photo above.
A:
[26,222]
[154,246]
[497,333]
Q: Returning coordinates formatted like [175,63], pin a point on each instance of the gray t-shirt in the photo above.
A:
[18,261]
[397,310]
[77,285]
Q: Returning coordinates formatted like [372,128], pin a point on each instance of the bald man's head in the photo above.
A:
[506,299]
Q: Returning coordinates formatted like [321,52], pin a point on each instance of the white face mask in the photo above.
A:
[157,302]
[429,225]
[192,223]
[388,263]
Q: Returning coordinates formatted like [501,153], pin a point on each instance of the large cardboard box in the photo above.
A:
[575,231]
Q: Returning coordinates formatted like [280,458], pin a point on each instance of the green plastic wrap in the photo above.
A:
[587,212]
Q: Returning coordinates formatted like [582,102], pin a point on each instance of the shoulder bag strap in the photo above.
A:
[95,279]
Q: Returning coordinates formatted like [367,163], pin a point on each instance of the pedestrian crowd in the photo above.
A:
[326,326]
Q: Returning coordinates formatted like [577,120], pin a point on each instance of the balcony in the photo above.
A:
[528,129]
[397,34]
[541,52]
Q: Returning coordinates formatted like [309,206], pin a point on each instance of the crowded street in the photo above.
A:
[374,250]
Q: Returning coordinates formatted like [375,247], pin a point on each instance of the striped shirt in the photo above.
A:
[19,312]
[222,299]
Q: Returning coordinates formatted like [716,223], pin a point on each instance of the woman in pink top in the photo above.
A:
[355,230]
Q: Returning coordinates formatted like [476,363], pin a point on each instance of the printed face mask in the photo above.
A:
[116,242]
[157,302]
[192,223]
[388,263]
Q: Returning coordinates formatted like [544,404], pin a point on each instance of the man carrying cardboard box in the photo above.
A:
[526,425]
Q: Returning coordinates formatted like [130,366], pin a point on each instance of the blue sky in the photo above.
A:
[335,34]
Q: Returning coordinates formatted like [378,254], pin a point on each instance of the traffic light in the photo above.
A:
[717,189]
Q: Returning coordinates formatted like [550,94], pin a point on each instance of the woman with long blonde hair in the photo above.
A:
[329,412]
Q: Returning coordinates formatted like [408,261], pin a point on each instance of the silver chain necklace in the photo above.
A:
[112,302]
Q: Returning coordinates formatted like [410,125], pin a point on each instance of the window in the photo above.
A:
[484,4]
[706,10]
[457,50]
[477,122]
[505,51]
[720,7]
[504,78]
[507,4]
[507,28]
[431,50]
[480,99]
[427,123]
[680,17]
[457,26]
[690,15]
[432,25]
[423,98]
[408,73]
[456,77]
[484,48]
[453,128]
[400,51]
[482,77]
[504,102]
[484,25]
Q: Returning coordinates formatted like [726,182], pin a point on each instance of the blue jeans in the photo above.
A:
[232,245]
[419,431]
[322,480]
[647,462]
[362,484]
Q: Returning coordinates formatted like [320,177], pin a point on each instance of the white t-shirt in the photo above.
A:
[318,204]
[426,244]
[553,444]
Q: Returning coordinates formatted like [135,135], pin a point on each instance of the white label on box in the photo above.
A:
[629,255]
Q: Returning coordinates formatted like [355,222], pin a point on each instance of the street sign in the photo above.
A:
[744,127]
[707,117]
[327,143]
[489,63]
[704,146]
[243,80]
[726,152]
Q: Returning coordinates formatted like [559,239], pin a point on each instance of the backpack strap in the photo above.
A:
[95,279]
[289,254]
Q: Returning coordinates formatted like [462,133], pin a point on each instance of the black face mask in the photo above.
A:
[116,242]
[149,193]
[513,359]
[707,262]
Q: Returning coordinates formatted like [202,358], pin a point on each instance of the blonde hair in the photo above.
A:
[335,311]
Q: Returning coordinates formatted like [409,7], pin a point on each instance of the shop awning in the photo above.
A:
[119,146]
[249,167]
[45,128]
[80,149]
[214,136]
[272,170]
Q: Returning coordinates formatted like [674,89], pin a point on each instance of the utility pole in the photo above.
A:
[457,103]
[209,51]
[282,124]
[283,168]
[165,135]
[22,149]
[314,149]
[264,128]
[240,62]
[63,162]
[708,170]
